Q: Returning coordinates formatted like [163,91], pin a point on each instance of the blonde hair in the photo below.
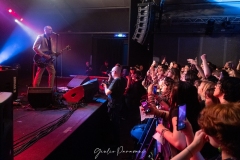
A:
[204,86]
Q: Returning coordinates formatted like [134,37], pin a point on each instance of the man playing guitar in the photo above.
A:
[43,48]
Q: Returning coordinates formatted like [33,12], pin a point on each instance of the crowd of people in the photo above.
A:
[211,96]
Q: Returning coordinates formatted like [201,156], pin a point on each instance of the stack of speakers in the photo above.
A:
[145,22]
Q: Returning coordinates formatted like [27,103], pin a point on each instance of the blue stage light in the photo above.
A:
[16,43]
[120,35]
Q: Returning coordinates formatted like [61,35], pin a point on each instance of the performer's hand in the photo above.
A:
[48,57]
[57,54]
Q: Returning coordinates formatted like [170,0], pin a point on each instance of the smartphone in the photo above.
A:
[154,89]
[182,113]
[145,106]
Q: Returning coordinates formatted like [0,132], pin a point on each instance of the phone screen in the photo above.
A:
[154,89]
[145,106]
[181,117]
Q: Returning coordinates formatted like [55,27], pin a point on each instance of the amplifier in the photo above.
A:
[8,82]
[40,97]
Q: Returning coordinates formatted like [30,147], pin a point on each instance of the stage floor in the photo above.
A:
[72,139]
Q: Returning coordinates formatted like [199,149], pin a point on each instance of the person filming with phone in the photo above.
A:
[220,126]
[183,95]
[115,91]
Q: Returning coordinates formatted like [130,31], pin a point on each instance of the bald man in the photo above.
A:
[115,93]
[43,47]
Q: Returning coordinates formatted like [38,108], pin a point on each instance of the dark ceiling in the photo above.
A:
[113,15]
[73,15]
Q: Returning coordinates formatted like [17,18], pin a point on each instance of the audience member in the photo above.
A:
[115,93]
[227,90]
[89,70]
[220,126]
[182,93]
[104,70]
[209,98]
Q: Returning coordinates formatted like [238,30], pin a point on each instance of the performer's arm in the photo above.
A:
[36,46]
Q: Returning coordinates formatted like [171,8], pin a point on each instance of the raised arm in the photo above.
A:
[206,68]
[192,151]
[175,138]
[200,70]
[238,66]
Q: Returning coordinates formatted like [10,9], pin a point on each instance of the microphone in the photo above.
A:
[55,33]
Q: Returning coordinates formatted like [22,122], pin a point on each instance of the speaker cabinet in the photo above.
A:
[84,92]
[6,126]
[77,81]
[40,97]
[145,22]
[8,82]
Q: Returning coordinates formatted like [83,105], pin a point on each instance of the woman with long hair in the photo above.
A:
[181,93]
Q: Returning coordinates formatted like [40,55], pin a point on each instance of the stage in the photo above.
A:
[82,133]
[77,138]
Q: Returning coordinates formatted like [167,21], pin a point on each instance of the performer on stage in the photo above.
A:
[43,47]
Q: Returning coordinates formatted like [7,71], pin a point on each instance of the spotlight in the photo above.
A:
[120,35]
[10,10]
[16,20]
[21,19]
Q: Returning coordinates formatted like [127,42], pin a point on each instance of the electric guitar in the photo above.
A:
[42,62]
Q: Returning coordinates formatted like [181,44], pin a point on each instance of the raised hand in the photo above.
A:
[192,61]
[199,140]
[204,57]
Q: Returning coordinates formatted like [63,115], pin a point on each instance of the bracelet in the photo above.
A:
[189,152]
[164,130]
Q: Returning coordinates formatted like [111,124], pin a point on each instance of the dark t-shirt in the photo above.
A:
[117,88]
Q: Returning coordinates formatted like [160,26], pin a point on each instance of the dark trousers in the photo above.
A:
[115,117]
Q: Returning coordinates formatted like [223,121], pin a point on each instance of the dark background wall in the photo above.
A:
[179,47]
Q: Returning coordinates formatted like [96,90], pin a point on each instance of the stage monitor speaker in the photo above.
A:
[6,125]
[8,82]
[90,89]
[40,97]
[77,81]
[84,92]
